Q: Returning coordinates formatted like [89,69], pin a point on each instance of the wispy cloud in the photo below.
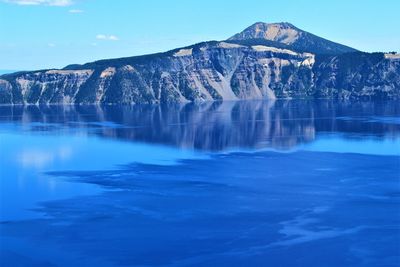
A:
[107,37]
[75,11]
[51,45]
[40,2]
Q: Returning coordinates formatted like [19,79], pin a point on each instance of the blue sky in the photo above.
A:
[37,34]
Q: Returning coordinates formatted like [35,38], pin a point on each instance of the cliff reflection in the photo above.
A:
[216,126]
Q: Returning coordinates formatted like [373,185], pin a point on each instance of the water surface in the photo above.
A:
[252,183]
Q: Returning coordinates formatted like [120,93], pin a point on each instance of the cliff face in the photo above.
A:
[228,70]
[216,71]
[52,86]
[358,75]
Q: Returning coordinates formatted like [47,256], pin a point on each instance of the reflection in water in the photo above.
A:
[105,188]
[217,126]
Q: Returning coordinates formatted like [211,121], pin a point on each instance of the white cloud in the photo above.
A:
[51,45]
[113,38]
[75,11]
[101,37]
[40,2]
[107,37]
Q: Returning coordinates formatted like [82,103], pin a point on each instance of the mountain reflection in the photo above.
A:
[216,126]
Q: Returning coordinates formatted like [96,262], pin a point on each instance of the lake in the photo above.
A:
[248,183]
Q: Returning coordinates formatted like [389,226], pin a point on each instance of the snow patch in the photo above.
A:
[67,72]
[262,48]
[229,45]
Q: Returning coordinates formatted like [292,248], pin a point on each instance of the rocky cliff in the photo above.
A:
[264,61]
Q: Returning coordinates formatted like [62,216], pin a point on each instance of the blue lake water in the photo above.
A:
[252,183]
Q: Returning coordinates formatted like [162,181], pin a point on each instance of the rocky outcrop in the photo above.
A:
[228,70]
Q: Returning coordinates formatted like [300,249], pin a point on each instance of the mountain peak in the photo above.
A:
[278,24]
[282,32]
[288,34]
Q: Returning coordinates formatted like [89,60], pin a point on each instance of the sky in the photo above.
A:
[42,34]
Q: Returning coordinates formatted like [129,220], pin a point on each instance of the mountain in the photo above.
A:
[264,61]
[286,33]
